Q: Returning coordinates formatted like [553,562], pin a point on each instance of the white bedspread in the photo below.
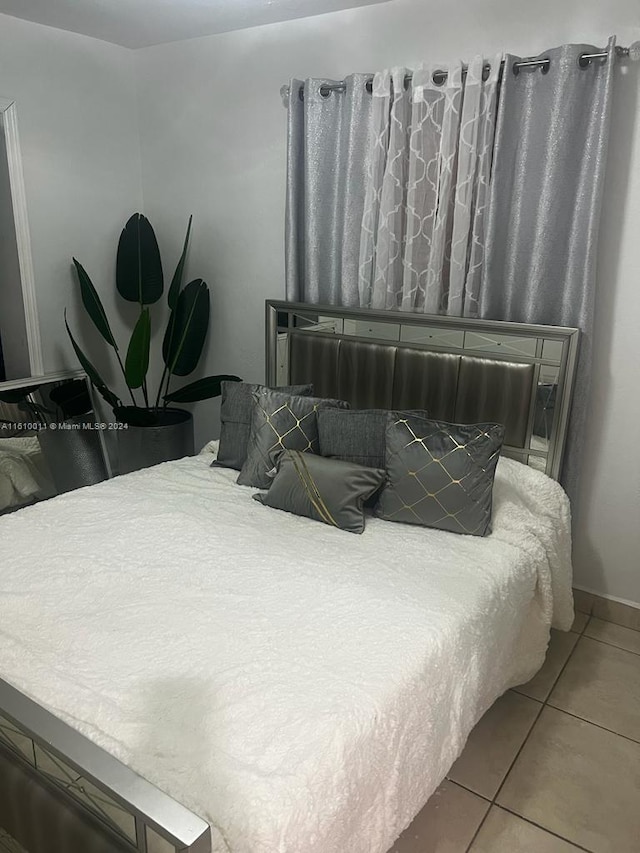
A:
[303,689]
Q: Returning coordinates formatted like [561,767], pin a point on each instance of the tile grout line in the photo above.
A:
[492,802]
[612,645]
[592,615]
[543,705]
[591,723]
[546,704]
[585,626]
[479,827]
[543,828]
[570,713]
[504,808]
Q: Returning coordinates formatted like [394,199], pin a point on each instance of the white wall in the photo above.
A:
[607,544]
[77,119]
[213,140]
[13,330]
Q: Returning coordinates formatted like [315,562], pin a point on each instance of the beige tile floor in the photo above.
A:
[554,765]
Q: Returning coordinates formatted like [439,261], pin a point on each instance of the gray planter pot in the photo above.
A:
[144,446]
[74,455]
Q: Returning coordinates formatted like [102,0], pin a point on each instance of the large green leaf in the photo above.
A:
[138,265]
[187,329]
[167,341]
[137,361]
[94,377]
[93,305]
[201,389]
[176,281]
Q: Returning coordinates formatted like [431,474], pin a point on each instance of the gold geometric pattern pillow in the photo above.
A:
[280,421]
[440,475]
[235,420]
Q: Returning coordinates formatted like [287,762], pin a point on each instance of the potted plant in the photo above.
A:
[155,431]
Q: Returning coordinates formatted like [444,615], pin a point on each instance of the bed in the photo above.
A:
[221,676]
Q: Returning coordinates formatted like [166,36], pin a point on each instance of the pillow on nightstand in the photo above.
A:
[280,422]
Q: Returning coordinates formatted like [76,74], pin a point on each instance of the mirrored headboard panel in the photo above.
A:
[459,370]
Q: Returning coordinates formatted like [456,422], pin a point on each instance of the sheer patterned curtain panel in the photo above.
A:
[387,185]
[423,228]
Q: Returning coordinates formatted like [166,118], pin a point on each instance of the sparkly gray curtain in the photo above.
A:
[327,155]
[546,193]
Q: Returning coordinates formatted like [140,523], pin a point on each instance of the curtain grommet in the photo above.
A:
[438,77]
[583,61]
[369,86]
[516,69]
[324,91]
[544,69]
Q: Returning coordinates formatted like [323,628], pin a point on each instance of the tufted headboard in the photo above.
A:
[459,370]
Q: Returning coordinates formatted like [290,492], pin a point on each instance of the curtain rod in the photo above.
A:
[633,52]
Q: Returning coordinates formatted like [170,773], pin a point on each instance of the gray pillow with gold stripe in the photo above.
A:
[327,490]
[280,422]
[440,475]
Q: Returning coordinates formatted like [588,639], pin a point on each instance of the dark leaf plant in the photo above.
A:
[139,279]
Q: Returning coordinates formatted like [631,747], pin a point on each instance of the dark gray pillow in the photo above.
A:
[355,435]
[327,490]
[439,474]
[280,422]
[235,420]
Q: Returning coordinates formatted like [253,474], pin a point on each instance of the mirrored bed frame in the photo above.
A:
[457,369]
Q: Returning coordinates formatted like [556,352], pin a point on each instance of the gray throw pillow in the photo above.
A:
[235,420]
[327,490]
[439,474]
[355,435]
[280,422]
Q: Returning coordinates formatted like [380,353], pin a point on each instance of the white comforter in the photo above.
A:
[303,689]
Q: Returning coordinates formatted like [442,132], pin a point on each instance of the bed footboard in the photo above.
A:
[66,793]
[38,816]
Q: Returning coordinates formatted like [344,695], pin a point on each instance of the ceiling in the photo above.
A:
[140,23]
